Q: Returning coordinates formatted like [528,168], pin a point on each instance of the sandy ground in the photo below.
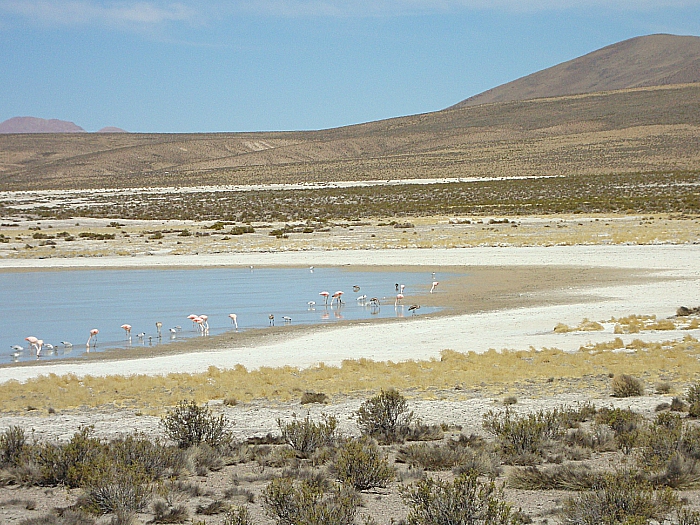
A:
[677,282]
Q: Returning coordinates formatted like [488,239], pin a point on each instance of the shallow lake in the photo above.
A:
[63,306]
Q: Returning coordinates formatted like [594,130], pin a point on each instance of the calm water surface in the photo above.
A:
[58,306]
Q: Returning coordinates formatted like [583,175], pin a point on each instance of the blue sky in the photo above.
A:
[254,65]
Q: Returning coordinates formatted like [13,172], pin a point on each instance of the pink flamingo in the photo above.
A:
[32,342]
[127,330]
[325,295]
[399,298]
[39,346]
[93,336]
[435,283]
[192,317]
[336,297]
[234,320]
[205,322]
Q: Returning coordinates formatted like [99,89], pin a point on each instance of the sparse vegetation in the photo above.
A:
[385,416]
[189,424]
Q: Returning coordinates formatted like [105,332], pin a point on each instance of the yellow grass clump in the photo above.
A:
[523,372]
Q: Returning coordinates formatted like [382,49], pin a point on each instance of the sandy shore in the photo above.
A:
[506,298]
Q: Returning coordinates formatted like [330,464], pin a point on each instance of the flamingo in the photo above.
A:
[205,322]
[401,288]
[93,335]
[32,341]
[39,346]
[413,308]
[191,317]
[159,325]
[325,295]
[234,320]
[127,330]
[336,297]
[399,298]
[271,317]
[435,283]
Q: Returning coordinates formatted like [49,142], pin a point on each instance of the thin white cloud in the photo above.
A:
[402,7]
[79,12]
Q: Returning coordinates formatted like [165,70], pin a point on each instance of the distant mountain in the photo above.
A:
[38,125]
[654,60]
[111,129]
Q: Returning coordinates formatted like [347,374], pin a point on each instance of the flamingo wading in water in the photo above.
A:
[432,288]
[325,295]
[93,337]
[234,320]
[336,297]
[127,330]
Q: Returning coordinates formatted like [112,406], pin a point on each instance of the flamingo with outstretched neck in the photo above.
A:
[336,297]
[32,342]
[325,295]
[432,288]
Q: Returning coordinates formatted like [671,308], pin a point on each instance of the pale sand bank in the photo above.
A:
[425,337]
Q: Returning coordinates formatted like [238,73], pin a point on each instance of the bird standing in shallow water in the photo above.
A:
[413,308]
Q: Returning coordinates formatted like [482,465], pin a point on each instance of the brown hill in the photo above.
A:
[645,129]
[654,60]
[111,129]
[38,125]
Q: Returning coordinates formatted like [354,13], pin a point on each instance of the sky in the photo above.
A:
[259,65]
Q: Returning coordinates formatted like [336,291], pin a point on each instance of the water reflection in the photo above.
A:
[146,308]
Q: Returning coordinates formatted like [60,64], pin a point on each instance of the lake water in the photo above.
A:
[58,306]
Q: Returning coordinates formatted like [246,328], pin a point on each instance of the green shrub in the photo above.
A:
[466,500]
[154,458]
[360,464]
[306,435]
[693,398]
[116,490]
[522,435]
[73,463]
[303,503]
[13,446]
[385,416]
[627,386]
[189,424]
[622,499]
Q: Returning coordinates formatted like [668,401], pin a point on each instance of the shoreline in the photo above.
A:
[521,294]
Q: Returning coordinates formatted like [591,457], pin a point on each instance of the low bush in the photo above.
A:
[627,386]
[620,498]
[464,500]
[385,416]
[570,476]
[189,424]
[13,446]
[693,398]
[522,436]
[238,515]
[313,397]
[431,457]
[116,490]
[360,464]
[302,503]
[306,435]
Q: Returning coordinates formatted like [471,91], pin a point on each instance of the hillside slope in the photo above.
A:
[653,60]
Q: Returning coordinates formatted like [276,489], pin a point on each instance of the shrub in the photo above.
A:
[116,490]
[362,465]
[154,458]
[385,416]
[313,397]
[305,435]
[238,515]
[13,443]
[306,504]
[619,499]
[73,463]
[464,500]
[65,517]
[561,477]
[430,457]
[189,424]
[627,386]
[522,435]
[693,398]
